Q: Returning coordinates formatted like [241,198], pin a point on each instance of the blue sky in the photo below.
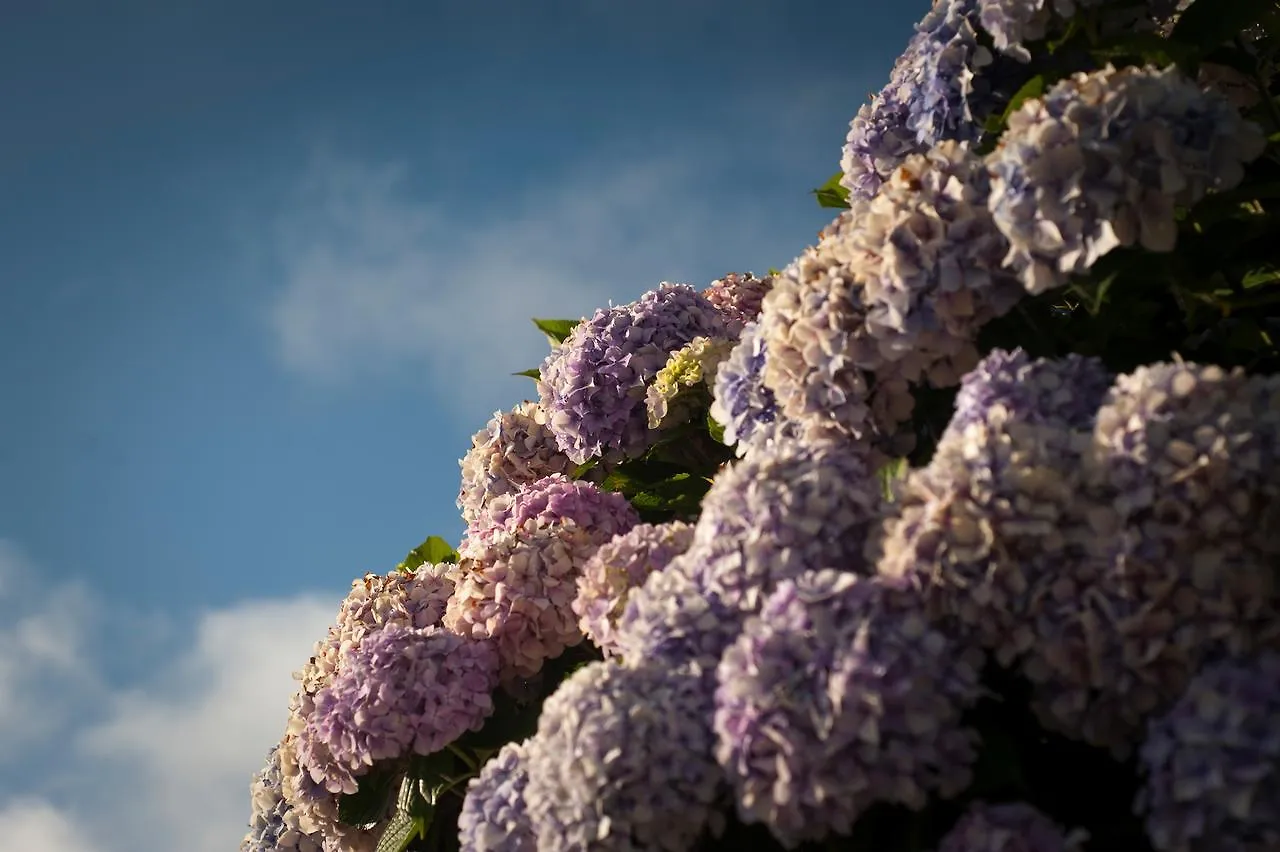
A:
[264,269]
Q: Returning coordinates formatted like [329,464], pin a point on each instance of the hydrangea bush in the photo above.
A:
[959,533]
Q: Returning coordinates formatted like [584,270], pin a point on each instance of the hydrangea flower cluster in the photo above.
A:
[617,568]
[494,817]
[792,507]
[403,691]
[989,523]
[929,258]
[1177,548]
[943,87]
[513,449]
[593,384]
[269,831]
[517,579]
[741,403]
[1101,160]
[622,760]
[1013,827]
[414,599]
[1212,762]
[671,620]
[837,697]
[738,297]
[1062,392]
[1013,23]
[691,366]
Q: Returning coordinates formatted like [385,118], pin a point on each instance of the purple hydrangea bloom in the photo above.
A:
[741,403]
[1013,23]
[838,696]
[593,384]
[1013,827]
[494,817]
[1101,161]
[1178,544]
[415,599]
[1065,391]
[269,830]
[671,620]
[986,527]
[792,507]
[943,87]
[517,578]
[617,568]
[929,258]
[739,298]
[513,449]
[1212,763]
[405,690]
[622,760]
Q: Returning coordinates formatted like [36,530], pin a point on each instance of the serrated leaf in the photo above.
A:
[433,551]
[831,194]
[1205,25]
[533,373]
[372,799]
[556,330]
[400,832]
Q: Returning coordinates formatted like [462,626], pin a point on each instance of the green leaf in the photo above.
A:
[1148,47]
[533,373]
[372,799]
[1205,25]
[774,272]
[433,551]
[1260,277]
[832,194]
[1033,88]
[716,430]
[556,330]
[400,832]
[891,473]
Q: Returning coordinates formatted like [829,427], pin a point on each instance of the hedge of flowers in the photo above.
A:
[959,533]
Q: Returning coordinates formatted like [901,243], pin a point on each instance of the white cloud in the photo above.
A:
[34,825]
[376,279]
[189,740]
[44,672]
[161,764]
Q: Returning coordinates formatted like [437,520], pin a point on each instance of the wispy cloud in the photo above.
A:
[156,765]
[374,278]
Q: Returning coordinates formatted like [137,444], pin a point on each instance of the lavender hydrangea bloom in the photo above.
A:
[943,87]
[414,599]
[929,257]
[513,449]
[616,569]
[404,691]
[494,817]
[622,761]
[818,354]
[839,695]
[984,529]
[1101,160]
[792,507]
[517,578]
[1063,391]
[1178,555]
[1014,827]
[269,831]
[1013,23]
[671,620]
[738,297]
[593,384]
[741,403]
[1212,763]
[313,810]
